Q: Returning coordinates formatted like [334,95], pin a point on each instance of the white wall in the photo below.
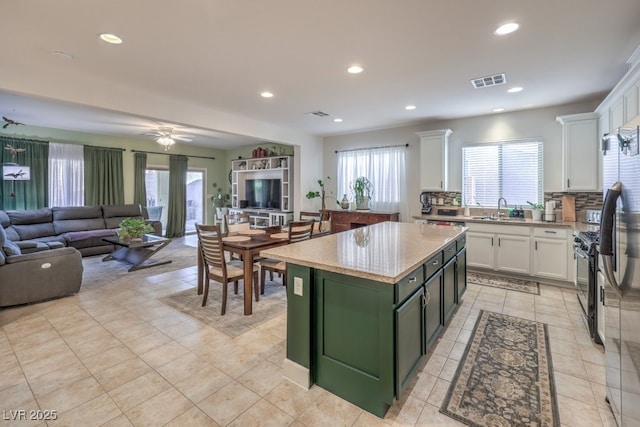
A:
[496,127]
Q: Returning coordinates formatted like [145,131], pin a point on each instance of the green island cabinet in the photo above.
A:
[363,339]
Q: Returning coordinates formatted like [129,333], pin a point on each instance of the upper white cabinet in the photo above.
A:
[580,152]
[434,153]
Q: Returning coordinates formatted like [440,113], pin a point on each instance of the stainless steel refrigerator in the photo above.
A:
[619,247]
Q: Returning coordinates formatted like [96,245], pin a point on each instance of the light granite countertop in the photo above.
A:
[575,225]
[384,252]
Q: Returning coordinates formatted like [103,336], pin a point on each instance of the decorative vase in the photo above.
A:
[536,214]
[344,203]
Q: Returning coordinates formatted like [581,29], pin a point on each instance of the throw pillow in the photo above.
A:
[11,248]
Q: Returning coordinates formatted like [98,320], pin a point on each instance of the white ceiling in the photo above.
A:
[200,65]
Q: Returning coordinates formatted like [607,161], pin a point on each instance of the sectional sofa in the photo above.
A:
[41,250]
[80,227]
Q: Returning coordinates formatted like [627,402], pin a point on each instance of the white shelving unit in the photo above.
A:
[278,167]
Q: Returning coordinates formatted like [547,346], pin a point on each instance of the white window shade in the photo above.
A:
[512,170]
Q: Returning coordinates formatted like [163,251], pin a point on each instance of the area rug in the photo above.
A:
[505,376]
[507,283]
[98,273]
[234,322]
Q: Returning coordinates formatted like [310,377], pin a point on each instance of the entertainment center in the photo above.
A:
[263,187]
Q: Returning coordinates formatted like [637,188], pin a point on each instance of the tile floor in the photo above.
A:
[115,356]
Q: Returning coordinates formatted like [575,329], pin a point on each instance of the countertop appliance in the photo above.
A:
[585,253]
[620,250]
[425,199]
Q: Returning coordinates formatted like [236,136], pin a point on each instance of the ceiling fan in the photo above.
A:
[165,137]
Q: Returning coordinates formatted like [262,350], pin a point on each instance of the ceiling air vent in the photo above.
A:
[319,113]
[496,79]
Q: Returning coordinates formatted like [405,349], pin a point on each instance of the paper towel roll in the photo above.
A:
[549,207]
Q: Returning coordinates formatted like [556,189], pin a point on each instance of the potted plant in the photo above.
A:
[133,229]
[323,195]
[221,202]
[362,188]
[536,211]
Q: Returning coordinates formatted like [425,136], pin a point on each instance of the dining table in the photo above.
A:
[247,247]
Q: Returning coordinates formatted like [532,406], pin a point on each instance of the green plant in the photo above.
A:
[221,200]
[322,194]
[362,187]
[535,205]
[133,228]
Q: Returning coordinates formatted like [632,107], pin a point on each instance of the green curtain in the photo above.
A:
[103,176]
[177,212]
[32,194]
[139,186]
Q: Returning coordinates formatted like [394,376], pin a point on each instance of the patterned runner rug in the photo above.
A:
[508,283]
[505,376]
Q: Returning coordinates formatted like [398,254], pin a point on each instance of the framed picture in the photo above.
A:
[16,173]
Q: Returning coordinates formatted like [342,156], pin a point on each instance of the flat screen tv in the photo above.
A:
[262,193]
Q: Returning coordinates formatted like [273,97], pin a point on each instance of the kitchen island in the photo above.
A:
[364,305]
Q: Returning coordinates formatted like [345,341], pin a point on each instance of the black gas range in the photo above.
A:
[585,252]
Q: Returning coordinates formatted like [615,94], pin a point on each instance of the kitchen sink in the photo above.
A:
[494,218]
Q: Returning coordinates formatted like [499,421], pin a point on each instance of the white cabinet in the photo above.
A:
[434,146]
[631,100]
[580,152]
[502,248]
[269,168]
[551,253]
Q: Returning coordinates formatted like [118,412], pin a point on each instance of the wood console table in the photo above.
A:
[347,220]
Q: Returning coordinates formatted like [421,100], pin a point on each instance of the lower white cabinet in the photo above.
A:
[502,248]
[550,253]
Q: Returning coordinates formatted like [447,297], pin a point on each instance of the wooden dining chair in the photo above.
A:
[215,265]
[236,222]
[312,216]
[298,231]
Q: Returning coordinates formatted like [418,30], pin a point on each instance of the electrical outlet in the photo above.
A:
[297,286]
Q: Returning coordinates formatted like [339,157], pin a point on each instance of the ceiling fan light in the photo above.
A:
[166,142]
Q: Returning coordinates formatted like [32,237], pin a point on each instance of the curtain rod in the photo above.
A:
[104,148]
[373,148]
[168,154]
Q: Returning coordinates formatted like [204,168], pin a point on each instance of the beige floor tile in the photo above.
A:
[569,365]
[11,377]
[117,375]
[119,421]
[159,409]
[90,348]
[194,417]
[443,347]
[101,409]
[263,413]
[203,384]
[431,416]
[8,361]
[449,369]
[58,378]
[146,343]
[438,392]
[404,412]
[163,354]
[139,390]
[369,420]
[421,386]
[434,364]
[182,367]
[107,359]
[573,387]
[262,378]
[72,395]
[329,409]
[228,403]
[576,413]
[44,365]
[291,398]
[18,397]
[17,331]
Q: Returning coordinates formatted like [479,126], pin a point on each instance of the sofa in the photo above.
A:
[79,227]
[43,274]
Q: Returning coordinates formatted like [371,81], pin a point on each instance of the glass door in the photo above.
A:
[157,183]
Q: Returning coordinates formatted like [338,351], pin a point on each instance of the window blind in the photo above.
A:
[512,170]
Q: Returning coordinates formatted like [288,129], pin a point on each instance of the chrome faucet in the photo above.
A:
[500,209]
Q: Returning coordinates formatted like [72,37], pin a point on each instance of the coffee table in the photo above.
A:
[136,252]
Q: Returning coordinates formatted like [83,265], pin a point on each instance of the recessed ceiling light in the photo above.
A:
[410,107]
[355,69]
[498,110]
[110,38]
[515,89]
[266,94]
[337,120]
[506,29]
